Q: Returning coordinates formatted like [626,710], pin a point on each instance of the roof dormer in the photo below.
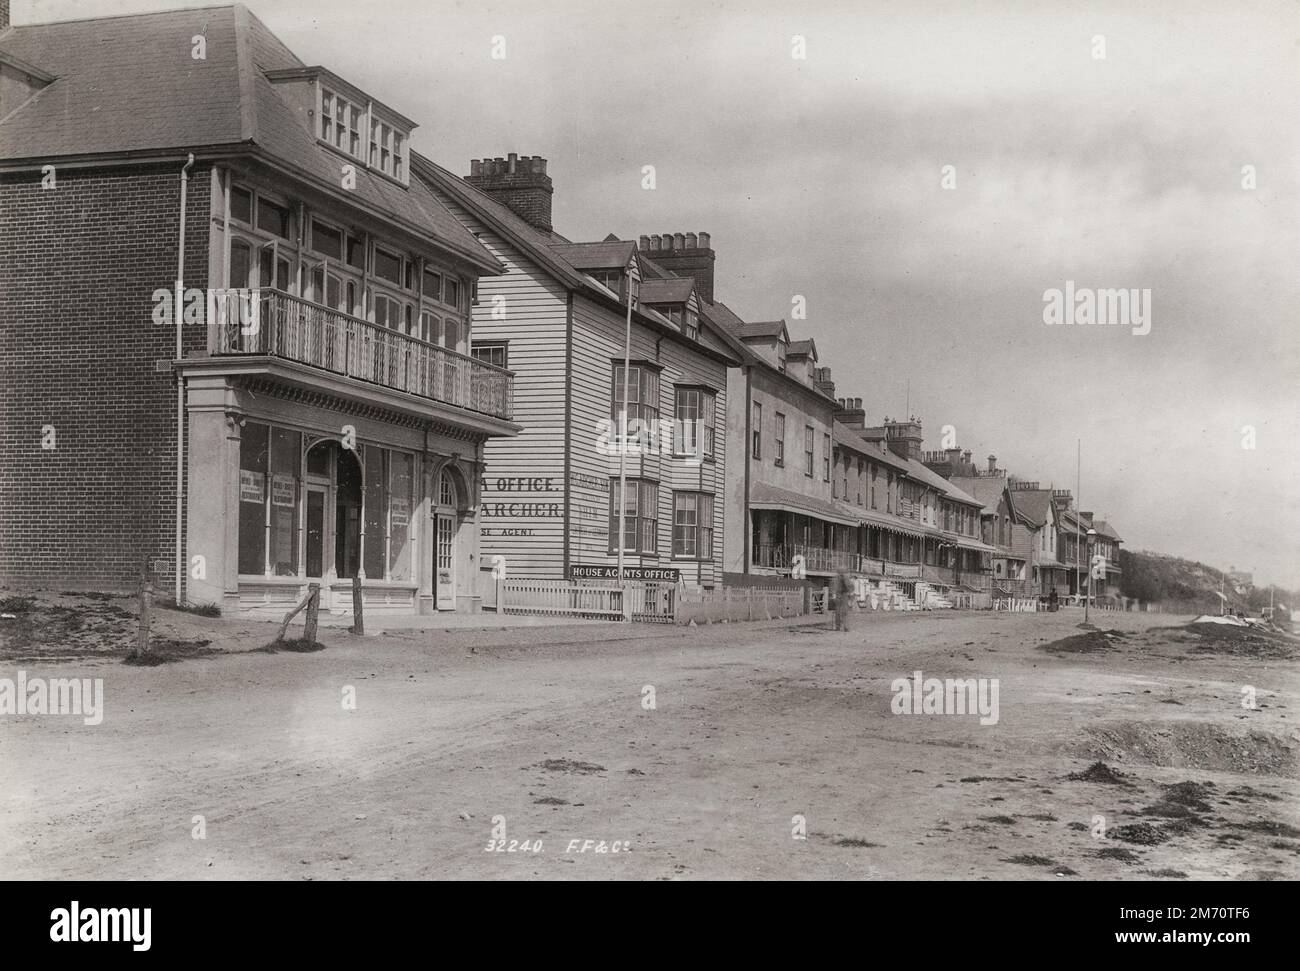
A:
[346,120]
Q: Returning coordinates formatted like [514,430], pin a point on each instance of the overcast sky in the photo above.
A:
[821,177]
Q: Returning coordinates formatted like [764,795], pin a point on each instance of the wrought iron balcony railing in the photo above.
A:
[277,324]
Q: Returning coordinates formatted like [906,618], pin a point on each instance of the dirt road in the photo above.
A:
[703,752]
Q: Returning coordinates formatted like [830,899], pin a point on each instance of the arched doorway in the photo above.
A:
[448,498]
[332,512]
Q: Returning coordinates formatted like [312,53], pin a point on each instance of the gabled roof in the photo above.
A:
[987,489]
[128,86]
[608,255]
[541,247]
[933,479]
[673,290]
[1033,506]
[763,329]
[1106,529]
[804,348]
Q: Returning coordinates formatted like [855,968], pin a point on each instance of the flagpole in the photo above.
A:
[622,452]
[1078,498]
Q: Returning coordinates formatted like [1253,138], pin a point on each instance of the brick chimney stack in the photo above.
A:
[521,183]
[685,254]
[904,437]
[851,413]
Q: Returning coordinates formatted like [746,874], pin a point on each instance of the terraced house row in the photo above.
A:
[251,340]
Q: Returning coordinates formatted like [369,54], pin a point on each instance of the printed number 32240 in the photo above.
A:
[513,846]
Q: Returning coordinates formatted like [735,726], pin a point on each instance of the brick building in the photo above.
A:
[234,333]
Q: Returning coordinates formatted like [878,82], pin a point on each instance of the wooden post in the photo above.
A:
[146,600]
[358,622]
[313,604]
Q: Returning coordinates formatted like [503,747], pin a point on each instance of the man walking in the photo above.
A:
[843,590]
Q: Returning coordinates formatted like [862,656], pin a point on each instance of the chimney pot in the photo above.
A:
[704,240]
[679,240]
[691,240]
[644,242]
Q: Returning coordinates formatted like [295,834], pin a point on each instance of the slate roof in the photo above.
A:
[128,85]
[987,489]
[1032,505]
[608,255]
[918,471]
[760,329]
[546,249]
[1106,529]
[802,348]
[672,290]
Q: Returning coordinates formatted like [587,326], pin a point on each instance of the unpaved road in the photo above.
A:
[751,727]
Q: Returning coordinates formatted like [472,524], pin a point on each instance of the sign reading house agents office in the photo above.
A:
[661,574]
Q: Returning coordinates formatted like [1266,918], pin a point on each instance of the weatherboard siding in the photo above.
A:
[598,347]
[522,512]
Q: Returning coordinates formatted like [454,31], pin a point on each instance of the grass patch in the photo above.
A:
[199,610]
[17,605]
[294,645]
[169,652]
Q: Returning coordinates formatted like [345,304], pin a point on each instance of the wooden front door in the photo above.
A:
[444,554]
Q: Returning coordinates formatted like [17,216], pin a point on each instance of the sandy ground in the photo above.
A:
[548,731]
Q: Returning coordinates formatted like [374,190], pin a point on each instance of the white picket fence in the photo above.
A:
[559,598]
[738,603]
[1023,605]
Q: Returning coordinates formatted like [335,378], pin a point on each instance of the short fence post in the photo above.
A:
[146,600]
[313,603]
[358,622]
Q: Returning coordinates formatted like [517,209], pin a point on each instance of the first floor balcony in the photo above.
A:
[274,324]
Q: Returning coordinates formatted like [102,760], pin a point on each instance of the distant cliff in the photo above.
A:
[1189,585]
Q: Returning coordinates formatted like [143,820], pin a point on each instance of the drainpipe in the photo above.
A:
[180,385]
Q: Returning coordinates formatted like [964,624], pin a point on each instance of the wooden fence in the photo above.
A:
[738,603]
[560,598]
[653,603]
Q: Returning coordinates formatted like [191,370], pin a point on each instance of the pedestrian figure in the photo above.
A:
[843,590]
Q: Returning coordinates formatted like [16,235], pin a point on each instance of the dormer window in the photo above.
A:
[340,122]
[780,356]
[387,149]
[344,121]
